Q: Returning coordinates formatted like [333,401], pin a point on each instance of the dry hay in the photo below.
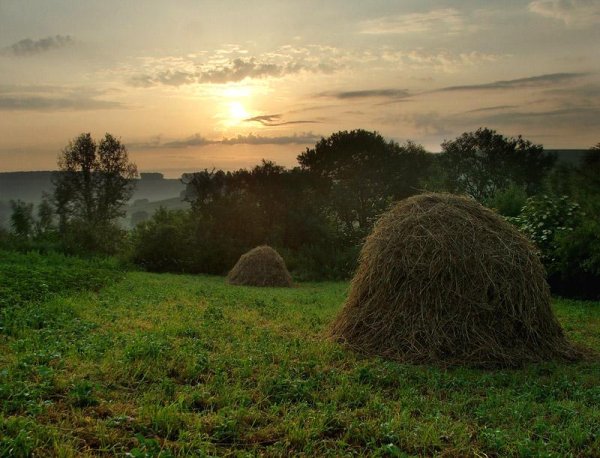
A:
[441,279]
[261,266]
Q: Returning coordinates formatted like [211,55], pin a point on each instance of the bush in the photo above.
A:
[544,219]
[576,271]
[569,244]
[327,261]
[508,202]
[81,238]
[164,243]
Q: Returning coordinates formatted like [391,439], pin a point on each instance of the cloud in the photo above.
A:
[430,123]
[368,93]
[275,120]
[582,116]
[198,140]
[589,93]
[194,140]
[53,98]
[494,108]
[33,103]
[231,72]
[574,13]
[441,60]
[29,47]
[251,139]
[532,81]
[446,19]
[234,65]
[240,69]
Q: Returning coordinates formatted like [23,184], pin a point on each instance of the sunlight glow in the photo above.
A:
[237,91]
[237,112]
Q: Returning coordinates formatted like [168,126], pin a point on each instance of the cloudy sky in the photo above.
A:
[189,84]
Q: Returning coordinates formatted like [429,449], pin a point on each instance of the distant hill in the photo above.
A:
[152,188]
[30,186]
[568,156]
[27,186]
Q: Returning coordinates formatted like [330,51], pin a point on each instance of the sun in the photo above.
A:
[237,112]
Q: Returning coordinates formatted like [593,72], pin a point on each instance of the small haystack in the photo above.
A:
[261,266]
[442,279]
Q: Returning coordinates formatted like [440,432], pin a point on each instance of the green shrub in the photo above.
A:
[508,202]
[544,219]
[164,243]
[331,261]
[569,244]
[576,271]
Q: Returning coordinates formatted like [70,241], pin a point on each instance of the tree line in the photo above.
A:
[317,213]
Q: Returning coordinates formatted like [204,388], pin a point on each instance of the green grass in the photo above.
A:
[168,365]
[29,277]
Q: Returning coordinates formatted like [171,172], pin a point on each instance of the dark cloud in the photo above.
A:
[276,120]
[38,103]
[251,139]
[194,140]
[431,123]
[494,108]
[240,69]
[582,116]
[368,93]
[232,72]
[532,81]
[29,47]
[584,92]
[53,98]
[224,67]
[198,140]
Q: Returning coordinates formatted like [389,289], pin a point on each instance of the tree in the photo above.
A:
[484,162]
[45,217]
[94,182]
[21,218]
[361,173]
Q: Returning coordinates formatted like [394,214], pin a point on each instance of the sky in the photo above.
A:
[190,84]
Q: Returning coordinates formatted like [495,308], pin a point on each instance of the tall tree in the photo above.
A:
[94,182]
[361,173]
[45,216]
[483,162]
[21,218]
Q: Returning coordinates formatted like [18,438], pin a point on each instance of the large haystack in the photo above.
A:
[261,266]
[442,279]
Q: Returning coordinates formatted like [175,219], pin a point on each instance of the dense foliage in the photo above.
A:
[360,174]
[318,213]
[484,162]
[232,212]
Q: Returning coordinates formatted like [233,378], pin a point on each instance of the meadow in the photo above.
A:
[97,359]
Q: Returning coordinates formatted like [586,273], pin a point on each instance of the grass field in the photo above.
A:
[169,365]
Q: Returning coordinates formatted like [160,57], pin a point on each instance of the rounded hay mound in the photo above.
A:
[442,279]
[261,266]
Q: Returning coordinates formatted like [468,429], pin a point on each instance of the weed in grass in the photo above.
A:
[82,394]
[148,448]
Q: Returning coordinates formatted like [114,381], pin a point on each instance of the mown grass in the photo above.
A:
[167,365]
